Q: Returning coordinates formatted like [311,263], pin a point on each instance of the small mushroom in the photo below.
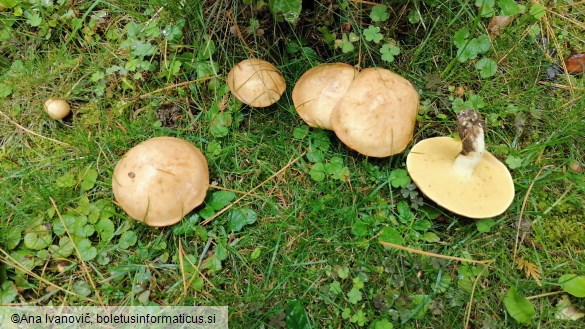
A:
[461,176]
[319,89]
[256,82]
[161,180]
[57,108]
[376,116]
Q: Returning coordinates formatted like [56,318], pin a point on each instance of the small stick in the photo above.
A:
[556,85]
[522,212]
[468,312]
[365,2]
[32,132]
[8,260]
[239,33]
[182,268]
[205,222]
[426,253]
[546,294]
[563,17]
[176,85]
[217,187]
[196,267]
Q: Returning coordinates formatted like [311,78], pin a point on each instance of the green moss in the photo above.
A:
[564,232]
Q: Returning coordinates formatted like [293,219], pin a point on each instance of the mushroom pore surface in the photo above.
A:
[461,176]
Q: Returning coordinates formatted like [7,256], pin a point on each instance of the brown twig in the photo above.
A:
[196,267]
[522,212]
[568,19]
[556,85]
[546,294]
[205,222]
[556,43]
[426,253]
[239,33]
[32,132]
[468,311]
[8,260]
[182,268]
[366,2]
[230,190]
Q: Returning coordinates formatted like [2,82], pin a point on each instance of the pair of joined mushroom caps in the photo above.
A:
[161,180]
[373,112]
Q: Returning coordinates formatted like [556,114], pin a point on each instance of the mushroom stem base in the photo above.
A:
[472,143]
[464,165]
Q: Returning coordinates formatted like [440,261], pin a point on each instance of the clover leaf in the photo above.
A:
[487,67]
[388,52]
[379,13]
[372,33]
[317,172]
[64,249]
[38,238]
[8,292]
[399,178]
[354,296]
[86,251]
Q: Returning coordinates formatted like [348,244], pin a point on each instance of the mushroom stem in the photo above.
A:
[470,129]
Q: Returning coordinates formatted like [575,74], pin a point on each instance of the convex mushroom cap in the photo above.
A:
[256,82]
[319,89]
[161,180]
[459,175]
[377,114]
[57,108]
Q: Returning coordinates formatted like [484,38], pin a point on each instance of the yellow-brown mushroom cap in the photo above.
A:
[319,89]
[488,192]
[376,116]
[161,180]
[256,82]
[57,108]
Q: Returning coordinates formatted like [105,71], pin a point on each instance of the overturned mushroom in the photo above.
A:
[461,176]
[161,180]
[256,82]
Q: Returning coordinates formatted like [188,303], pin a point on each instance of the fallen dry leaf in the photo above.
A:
[530,269]
[497,23]
[566,311]
[576,63]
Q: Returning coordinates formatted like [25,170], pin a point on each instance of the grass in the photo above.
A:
[313,241]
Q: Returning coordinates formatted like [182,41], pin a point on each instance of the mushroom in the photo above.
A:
[376,116]
[57,108]
[256,82]
[319,89]
[461,176]
[161,180]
